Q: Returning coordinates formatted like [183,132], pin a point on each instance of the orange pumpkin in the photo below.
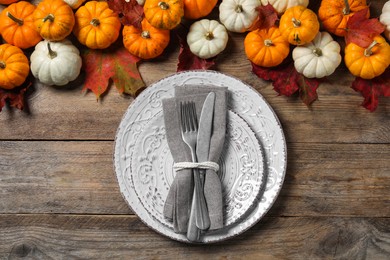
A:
[54,19]
[17,25]
[370,62]
[194,9]
[164,14]
[97,26]
[266,47]
[147,43]
[14,67]
[334,14]
[7,2]
[299,25]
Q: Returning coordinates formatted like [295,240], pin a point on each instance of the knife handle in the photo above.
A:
[202,218]
[193,232]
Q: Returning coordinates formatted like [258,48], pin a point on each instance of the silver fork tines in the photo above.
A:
[189,132]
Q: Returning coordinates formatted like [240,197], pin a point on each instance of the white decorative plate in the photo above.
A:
[151,170]
[143,163]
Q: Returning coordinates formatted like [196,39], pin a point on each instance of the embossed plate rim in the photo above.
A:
[270,195]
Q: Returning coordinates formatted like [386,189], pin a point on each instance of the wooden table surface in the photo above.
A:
[59,198]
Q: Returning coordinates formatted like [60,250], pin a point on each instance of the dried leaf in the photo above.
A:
[372,89]
[129,11]
[361,30]
[14,97]
[189,61]
[117,64]
[267,17]
[287,81]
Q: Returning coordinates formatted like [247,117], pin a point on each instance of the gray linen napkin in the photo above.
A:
[178,203]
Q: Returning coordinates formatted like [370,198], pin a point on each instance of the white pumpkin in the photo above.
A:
[55,63]
[282,5]
[207,38]
[319,58]
[140,2]
[238,15]
[74,3]
[385,18]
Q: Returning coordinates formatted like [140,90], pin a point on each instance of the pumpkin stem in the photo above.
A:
[2,64]
[317,52]
[49,17]
[52,54]
[163,5]
[145,34]
[347,8]
[296,22]
[209,36]
[368,51]
[239,9]
[15,19]
[268,42]
[95,22]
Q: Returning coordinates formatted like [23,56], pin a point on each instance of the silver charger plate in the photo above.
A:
[144,179]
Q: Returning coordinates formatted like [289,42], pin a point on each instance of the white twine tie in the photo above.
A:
[199,165]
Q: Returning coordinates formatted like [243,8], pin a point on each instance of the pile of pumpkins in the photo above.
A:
[315,54]
[56,61]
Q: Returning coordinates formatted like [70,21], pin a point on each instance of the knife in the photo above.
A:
[204,137]
[202,152]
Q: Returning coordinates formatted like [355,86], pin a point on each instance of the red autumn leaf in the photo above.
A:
[129,12]
[372,89]
[14,97]
[267,17]
[115,63]
[361,30]
[287,81]
[189,61]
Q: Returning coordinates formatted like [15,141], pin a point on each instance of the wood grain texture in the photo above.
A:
[125,237]
[78,177]
[59,197]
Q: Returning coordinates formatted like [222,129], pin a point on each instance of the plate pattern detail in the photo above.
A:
[138,131]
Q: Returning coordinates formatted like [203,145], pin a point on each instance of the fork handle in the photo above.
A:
[202,218]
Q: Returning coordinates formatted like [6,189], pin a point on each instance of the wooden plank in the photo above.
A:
[78,177]
[70,115]
[125,237]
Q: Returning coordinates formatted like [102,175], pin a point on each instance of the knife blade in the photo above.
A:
[205,127]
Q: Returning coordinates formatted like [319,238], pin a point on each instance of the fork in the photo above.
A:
[189,131]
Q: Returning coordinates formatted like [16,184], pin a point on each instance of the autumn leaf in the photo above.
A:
[361,30]
[189,61]
[129,11]
[267,17]
[115,63]
[287,81]
[14,97]
[372,89]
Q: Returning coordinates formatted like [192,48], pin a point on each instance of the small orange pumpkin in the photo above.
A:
[299,25]
[97,26]
[370,62]
[17,25]
[194,9]
[266,47]
[7,2]
[165,14]
[147,43]
[334,14]
[54,19]
[14,67]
